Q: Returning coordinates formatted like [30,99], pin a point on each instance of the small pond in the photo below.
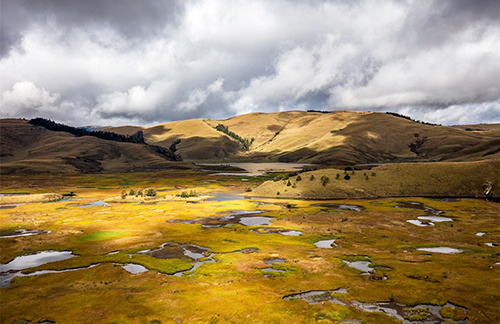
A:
[325,244]
[243,217]
[363,266]
[134,268]
[258,169]
[441,249]
[13,268]
[224,196]
[345,207]
[276,230]
[318,296]
[23,232]
[429,220]
[429,211]
[98,203]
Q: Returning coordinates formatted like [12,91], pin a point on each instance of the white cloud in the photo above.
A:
[219,58]
[26,98]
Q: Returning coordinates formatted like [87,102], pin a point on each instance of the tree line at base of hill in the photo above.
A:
[137,137]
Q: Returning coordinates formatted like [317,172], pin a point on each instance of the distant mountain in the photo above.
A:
[26,148]
[92,128]
[337,137]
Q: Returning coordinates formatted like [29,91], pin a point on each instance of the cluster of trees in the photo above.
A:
[319,111]
[191,193]
[409,118]
[138,137]
[244,141]
[149,192]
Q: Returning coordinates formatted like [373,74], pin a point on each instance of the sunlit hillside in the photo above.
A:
[337,137]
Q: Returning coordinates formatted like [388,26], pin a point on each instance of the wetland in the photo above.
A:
[231,259]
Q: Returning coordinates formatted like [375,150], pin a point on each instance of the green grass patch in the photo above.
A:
[100,236]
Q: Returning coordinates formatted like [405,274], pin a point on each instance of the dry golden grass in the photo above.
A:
[443,179]
[339,137]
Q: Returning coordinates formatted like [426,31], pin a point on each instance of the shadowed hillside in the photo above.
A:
[337,137]
[27,148]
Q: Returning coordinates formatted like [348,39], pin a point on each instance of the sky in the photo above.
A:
[129,62]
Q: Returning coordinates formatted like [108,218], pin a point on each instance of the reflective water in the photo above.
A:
[134,268]
[318,296]
[325,244]
[35,260]
[256,169]
[442,249]
[255,221]
[339,207]
[23,232]
[291,233]
[98,203]
[363,266]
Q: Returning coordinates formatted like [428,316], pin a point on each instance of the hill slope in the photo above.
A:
[337,137]
[431,179]
[31,149]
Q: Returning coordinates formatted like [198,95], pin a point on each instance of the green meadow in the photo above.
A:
[225,259]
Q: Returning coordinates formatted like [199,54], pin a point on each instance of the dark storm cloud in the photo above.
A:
[131,18]
[146,62]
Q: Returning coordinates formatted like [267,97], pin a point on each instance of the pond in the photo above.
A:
[363,266]
[325,244]
[224,196]
[441,249]
[258,169]
[345,207]
[243,217]
[12,269]
[98,203]
[22,232]
[318,296]
[429,220]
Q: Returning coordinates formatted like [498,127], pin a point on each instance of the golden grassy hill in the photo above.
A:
[337,137]
[430,179]
[31,149]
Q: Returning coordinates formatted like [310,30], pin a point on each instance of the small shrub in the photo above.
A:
[248,189]
[325,180]
[374,174]
[288,184]
[311,178]
[337,176]
[299,178]
[150,192]
[139,193]
[278,193]
[347,177]
[131,192]
[124,194]
[294,185]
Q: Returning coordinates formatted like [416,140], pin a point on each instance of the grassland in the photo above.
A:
[443,179]
[235,288]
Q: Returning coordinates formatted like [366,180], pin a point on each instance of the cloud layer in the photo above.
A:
[127,62]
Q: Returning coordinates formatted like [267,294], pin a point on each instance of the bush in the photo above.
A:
[325,180]
[311,178]
[299,178]
[132,192]
[347,177]
[124,194]
[150,192]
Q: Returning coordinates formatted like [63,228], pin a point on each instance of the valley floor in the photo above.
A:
[229,259]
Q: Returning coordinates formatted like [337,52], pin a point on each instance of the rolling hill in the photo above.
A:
[337,137]
[26,148]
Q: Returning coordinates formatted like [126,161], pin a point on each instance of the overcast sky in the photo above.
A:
[119,62]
